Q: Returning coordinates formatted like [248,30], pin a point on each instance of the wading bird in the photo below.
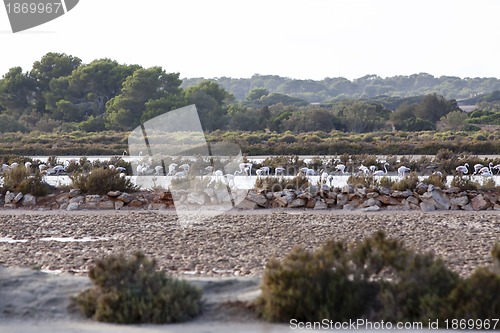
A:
[463,169]
[402,170]
[381,172]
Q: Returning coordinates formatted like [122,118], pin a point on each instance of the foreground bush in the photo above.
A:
[131,291]
[101,181]
[378,279]
[21,180]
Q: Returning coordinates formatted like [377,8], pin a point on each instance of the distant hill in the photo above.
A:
[368,86]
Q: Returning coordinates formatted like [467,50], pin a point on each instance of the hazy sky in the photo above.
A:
[309,39]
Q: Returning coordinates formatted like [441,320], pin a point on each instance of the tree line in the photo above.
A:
[60,93]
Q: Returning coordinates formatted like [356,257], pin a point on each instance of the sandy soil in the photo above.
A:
[224,255]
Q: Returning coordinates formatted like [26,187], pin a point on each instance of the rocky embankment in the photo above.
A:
[238,243]
[424,197]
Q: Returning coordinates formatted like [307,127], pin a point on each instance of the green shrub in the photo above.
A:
[386,182]
[20,180]
[436,180]
[101,181]
[360,181]
[312,286]
[377,278]
[407,183]
[464,183]
[128,291]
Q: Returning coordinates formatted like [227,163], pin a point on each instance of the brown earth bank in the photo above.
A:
[237,243]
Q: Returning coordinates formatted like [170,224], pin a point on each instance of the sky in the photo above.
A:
[302,39]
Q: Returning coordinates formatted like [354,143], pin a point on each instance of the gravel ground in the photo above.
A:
[235,244]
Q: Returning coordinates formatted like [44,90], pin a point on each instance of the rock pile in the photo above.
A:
[424,197]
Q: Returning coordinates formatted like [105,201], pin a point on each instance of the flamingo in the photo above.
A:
[279,170]
[259,172]
[42,168]
[486,169]
[496,167]
[437,173]
[171,169]
[486,173]
[341,168]
[184,167]
[158,169]
[14,165]
[330,179]
[58,169]
[381,172]
[477,167]
[243,169]
[402,170]
[373,168]
[463,169]
[266,169]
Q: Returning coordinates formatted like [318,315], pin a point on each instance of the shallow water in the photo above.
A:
[245,182]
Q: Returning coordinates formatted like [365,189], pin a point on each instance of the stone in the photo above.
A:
[371,202]
[296,203]
[157,206]
[135,203]
[422,188]
[332,195]
[62,198]
[114,194]
[246,204]
[413,200]
[118,204]
[427,206]
[74,192]
[320,205]
[18,197]
[79,199]
[9,196]
[311,203]
[442,200]
[388,200]
[460,201]
[372,195]
[342,199]
[125,197]
[373,208]
[94,198]
[348,207]
[259,199]
[72,206]
[479,203]
[107,204]
[280,202]
[384,190]
[29,200]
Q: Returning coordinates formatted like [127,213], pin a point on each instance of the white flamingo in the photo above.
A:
[463,169]
[402,170]
[496,167]
[486,169]
[381,172]
[171,169]
[477,167]
[279,171]
[267,170]
[158,170]
[59,169]
[340,168]
[243,169]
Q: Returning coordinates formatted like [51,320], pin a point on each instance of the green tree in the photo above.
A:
[453,121]
[16,90]
[125,111]
[211,102]
[51,66]
[433,107]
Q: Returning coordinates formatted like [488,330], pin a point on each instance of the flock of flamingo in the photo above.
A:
[247,169]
